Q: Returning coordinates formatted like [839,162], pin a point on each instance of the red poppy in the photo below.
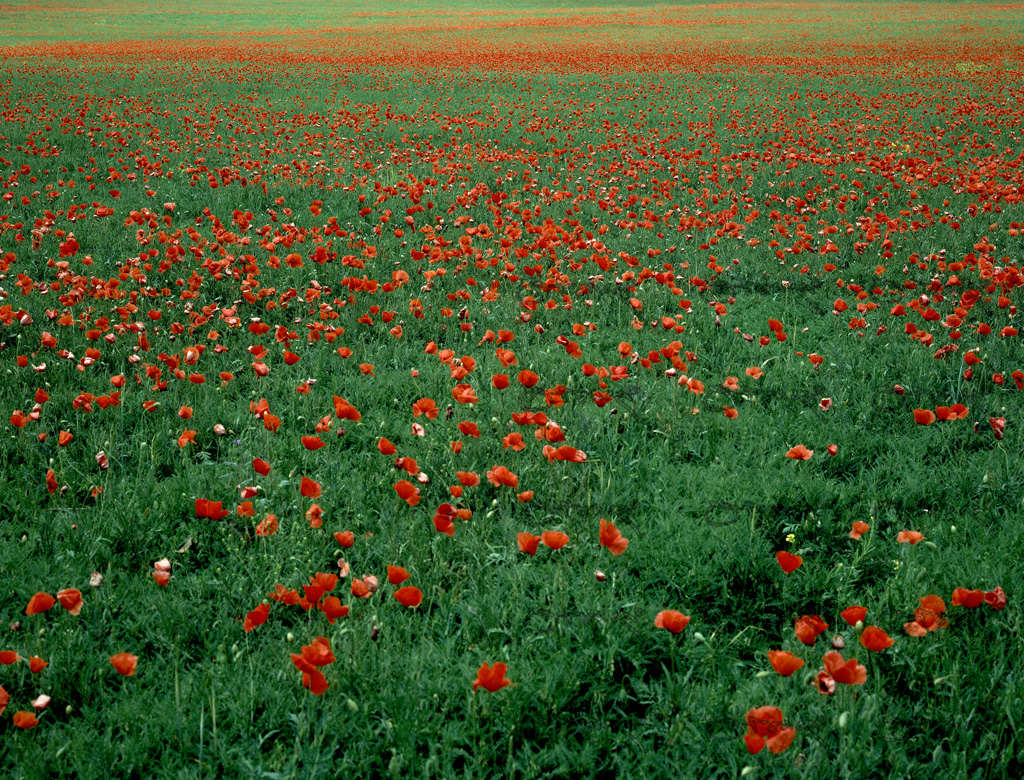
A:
[527,378]
[345,538]
[257,617]
[996,599]
[318,653]
[528,543]
[611,538]
[124,663]
[556,540]
[789,562]
[491,678]
[927,617]
[213,510]
[968,598]
[309,488]
[397,575]
[499,381]
[730,412]
[875,639]
[859,529]
[853,615]
[36,664]
[333,609]
[784,663]
[408,492]
[268,526]
[8,657]
[671,620]
[824,683]
[443,519]
[526,495]
[809,627]
[71,600]
[842,671]
[799,452]
[468,478]
[41,602]
[386,447]
[409,596]
[5,699]
[313,443]
[765,727]
[261,467]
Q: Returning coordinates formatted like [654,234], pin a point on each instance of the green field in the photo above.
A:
[292,297]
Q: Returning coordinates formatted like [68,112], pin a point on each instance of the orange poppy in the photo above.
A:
[730,412]
[500,475]
[784,663]
[41,602]
[765,727]
[25,720]
[526,495]
[924,416]
[875,639]
[464,394]
[671,620]
[556,540]
[5,699]
[267,526]
[611,538]
[71,600]
[789,562]
[909,536]
[858,529]
[491,678]
[124,663]
[425,406]
[799,452]
[409,596]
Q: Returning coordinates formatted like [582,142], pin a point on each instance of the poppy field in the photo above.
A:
[523,390]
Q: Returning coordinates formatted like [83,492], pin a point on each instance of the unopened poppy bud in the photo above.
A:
[844,720]
[763,673]
[939,680]
[67,710]
[290,637]
[698,637]
[748,771]
[937,753]
[952,529]
[930,545]
[859,626]
[352,705]
[494,504]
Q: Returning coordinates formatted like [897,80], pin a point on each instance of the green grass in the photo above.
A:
[705,501]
